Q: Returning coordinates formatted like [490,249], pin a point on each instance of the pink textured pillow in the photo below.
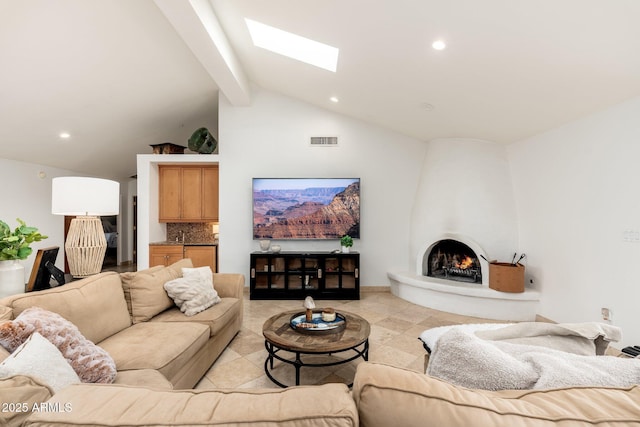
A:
[92,363]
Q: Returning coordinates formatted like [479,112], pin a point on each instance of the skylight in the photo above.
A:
[293,46]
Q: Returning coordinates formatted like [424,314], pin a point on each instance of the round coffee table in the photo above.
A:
[281,337]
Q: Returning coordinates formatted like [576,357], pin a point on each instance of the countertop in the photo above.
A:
[169,242]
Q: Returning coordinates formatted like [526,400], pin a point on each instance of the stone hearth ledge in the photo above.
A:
[468,299]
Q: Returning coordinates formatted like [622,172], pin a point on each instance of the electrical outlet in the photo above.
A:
[606,313]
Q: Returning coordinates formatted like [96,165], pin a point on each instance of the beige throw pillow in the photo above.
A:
[40,359]
[144,290]
[194,292]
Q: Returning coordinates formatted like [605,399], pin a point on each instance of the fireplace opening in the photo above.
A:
[453,260]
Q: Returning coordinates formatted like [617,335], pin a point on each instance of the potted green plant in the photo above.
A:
[15,246]
[346,242]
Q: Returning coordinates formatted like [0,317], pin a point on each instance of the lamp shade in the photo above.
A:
[77,195]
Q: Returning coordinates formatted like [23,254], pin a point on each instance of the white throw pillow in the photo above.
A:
[198,272]
[40,359]
[194,292]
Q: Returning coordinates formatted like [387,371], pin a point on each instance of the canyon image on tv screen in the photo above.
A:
[306,208]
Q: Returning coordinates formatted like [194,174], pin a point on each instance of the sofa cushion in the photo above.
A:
[96,305]
[215,317]
[149,378]
[90,362]
[163,346]
[130,277]
[18,395]
[145,291]
[417,399]
[6,313]
[328,405]
[40,359]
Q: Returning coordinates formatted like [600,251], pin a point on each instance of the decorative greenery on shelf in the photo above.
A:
[15,245]
[346,241]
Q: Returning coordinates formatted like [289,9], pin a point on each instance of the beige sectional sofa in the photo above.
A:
[131,316]
[382,396]
[389,396]
[160,355]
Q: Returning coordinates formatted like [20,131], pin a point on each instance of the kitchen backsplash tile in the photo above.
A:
[194,232]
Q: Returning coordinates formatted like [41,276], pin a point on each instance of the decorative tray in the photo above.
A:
[317,326]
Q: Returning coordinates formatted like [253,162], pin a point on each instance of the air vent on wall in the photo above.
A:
[324,141]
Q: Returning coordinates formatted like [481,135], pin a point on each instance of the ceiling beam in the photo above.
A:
[197,24]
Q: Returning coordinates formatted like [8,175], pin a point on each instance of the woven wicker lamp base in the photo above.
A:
[85,246]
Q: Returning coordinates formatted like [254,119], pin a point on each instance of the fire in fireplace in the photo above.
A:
[453,260]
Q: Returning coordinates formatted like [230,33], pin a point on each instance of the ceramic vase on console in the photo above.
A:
[264,245]
[11,278]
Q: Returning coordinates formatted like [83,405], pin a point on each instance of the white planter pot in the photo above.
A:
[11,278]
[345,249]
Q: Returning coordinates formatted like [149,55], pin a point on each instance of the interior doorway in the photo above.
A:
[110,228]
[134,253]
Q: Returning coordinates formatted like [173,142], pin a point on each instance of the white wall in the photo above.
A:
[465,190]
[577,193]
[26,194]
[271,139]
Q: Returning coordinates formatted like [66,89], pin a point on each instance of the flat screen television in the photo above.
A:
[306,208]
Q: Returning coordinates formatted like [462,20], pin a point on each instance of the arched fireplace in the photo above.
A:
[453,260]
[464,194]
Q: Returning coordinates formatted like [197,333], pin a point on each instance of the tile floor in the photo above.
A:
[395,327]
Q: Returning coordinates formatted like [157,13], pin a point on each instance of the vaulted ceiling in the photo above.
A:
[119,75]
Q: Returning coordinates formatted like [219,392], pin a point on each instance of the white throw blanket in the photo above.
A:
[586,338]
[465,359]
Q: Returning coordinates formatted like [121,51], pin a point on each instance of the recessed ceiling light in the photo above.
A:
[439,45]
[64,135]
[334,99]
[293,46]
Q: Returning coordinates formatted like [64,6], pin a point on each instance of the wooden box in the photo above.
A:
[168,148]
[506,277]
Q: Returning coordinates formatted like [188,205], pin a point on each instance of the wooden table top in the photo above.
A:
[278,331]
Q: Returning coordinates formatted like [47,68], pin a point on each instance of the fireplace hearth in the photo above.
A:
[453,260]
[483,216]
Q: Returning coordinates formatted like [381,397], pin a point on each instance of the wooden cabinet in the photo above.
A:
[170,193]
[188,193]
[295,275]
[210,194]
[200,255]
[165,254]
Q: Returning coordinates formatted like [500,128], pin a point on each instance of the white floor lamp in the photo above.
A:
[87,199]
